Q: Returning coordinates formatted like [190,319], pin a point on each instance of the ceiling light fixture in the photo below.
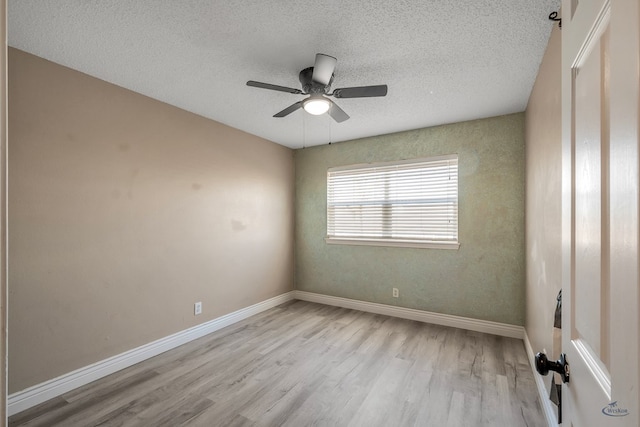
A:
[316,105]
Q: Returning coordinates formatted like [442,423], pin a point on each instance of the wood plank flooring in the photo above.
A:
[303,364]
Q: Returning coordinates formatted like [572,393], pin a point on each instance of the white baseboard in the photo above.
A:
[39,393]
[548,410]
[485,326]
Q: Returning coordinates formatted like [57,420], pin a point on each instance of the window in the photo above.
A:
[410,203]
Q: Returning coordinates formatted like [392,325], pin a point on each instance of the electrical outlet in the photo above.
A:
[396,293]
[197,308]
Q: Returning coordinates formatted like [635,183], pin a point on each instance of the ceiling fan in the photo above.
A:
[316,82]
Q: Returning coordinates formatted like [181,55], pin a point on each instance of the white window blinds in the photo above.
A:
[409,203]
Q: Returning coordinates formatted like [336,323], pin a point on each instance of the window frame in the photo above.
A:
[396,242]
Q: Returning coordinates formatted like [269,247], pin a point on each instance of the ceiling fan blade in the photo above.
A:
[290,109]
[360,91]
[273,87]
[337,113]
[323,68]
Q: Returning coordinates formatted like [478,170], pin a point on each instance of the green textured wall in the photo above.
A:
[484,279]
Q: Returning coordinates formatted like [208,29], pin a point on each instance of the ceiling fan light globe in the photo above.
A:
[316,106]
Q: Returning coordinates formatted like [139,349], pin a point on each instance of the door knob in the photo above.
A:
[561,366]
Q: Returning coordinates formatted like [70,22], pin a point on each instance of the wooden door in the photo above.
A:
[600,115]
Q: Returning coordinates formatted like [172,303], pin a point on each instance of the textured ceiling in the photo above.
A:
[444,61]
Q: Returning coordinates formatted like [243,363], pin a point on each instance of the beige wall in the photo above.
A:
[3,211]
[484,279]
[543,199]
[123,212]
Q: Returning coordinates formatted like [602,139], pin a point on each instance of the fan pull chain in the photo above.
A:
[304,131]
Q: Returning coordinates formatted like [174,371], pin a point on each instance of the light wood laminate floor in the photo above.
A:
[302,364]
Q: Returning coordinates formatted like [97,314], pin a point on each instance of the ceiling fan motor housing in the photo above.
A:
[311,87]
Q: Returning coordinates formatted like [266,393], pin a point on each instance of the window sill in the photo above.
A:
[393,243]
